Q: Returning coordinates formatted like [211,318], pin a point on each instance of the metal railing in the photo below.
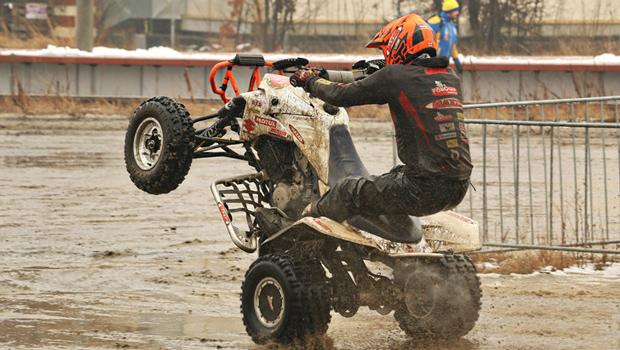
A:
[547,174]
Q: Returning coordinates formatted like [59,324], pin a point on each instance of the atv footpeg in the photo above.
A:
[241,195]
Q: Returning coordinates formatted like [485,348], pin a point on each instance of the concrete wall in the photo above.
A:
[100,77]
[532,85]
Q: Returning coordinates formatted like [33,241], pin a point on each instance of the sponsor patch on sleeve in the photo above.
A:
[453,143]
[445,103]
[442,89]
[463,135]
[455,155]
[446,127]
[445,136]
[443,118]
[432,71]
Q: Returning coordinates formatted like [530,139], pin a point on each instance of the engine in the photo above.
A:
[294,184]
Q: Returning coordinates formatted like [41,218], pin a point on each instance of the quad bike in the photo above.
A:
[306,266]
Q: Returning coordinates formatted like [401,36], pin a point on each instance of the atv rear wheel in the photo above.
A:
[284,299]
[158,145]
[441,298]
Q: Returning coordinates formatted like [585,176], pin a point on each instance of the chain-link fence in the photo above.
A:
[547,174]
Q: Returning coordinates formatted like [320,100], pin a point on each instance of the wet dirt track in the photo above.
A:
[87,261]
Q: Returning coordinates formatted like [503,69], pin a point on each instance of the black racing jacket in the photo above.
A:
[426,106]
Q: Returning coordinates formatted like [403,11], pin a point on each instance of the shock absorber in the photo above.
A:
[227,114]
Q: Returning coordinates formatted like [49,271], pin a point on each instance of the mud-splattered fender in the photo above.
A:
[455,231]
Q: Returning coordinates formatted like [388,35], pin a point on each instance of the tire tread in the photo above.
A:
[463,273]
[310,302]
[177,156]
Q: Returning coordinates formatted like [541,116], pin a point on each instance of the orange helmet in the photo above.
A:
[405,39]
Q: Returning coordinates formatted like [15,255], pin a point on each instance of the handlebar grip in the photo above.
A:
[337,76]
[342,76]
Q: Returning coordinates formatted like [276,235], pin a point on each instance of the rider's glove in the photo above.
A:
[368,67]
[459,66]
[302,77]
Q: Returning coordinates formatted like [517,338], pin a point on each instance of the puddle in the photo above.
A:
[30,323]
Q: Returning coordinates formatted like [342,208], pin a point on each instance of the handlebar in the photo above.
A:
[361,70]
[343,76]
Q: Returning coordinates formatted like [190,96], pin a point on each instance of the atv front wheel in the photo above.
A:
[158,145]
[441,298]
[284,299]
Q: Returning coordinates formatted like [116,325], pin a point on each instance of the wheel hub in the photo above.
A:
[269,303]
[421,293]
[147,143]
[154,142]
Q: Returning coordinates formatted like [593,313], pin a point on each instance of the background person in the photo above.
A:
[446,33]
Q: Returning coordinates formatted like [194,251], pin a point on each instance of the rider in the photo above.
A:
[425,102]
[446,33]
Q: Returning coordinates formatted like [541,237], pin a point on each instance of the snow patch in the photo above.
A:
[168,53]
[602,60]
[162,52]
[607,271]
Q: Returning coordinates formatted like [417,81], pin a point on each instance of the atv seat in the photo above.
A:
[344,161]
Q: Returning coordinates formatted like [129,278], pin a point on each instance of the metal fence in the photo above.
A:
[547,174]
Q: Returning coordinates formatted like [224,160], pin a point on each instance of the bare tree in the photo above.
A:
[501,24]
[312,10]
[103,11]
[422,7]
[398,7]
[474,15]
[237,8]
[273,19]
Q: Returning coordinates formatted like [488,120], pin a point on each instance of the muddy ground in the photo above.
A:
[87,261]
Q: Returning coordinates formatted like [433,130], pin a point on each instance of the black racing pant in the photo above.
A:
[396,192]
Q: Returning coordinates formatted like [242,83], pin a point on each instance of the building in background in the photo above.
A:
[147,22]
[321,24]
[27,18]
[581,18]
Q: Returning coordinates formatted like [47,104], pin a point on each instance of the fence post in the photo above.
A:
[529,175]
[485,227]
[499,176]
[572,108]
[605,174]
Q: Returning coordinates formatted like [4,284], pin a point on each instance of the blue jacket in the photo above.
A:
[446,35]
